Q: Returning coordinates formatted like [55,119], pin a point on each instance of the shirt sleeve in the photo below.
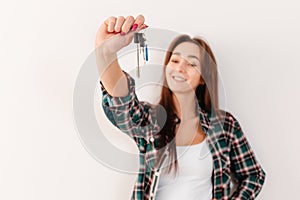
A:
[133,117]
[248,172]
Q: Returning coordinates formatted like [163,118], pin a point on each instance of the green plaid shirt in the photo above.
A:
[233,159]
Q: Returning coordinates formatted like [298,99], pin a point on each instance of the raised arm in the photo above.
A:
[119,100]
[114,34]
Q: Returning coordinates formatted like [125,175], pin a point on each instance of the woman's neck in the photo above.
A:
[185,105]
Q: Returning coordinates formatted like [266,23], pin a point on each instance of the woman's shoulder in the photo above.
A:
[224,116]
[225,123]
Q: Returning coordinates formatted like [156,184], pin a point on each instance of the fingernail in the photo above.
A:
[122,33]
[134,27]
[144,26]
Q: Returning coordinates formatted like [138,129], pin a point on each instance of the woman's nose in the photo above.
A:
[181,65]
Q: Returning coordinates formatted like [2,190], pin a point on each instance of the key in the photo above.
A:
[141,48]
[136,40]
[142,40]
[146,52]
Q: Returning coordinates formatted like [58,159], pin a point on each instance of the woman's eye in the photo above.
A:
[174,61]
[192,64]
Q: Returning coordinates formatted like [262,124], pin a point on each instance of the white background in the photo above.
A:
[44,44]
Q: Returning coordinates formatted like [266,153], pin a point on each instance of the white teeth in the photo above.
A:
[178,78]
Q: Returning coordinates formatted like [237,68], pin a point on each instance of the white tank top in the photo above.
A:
[193,180]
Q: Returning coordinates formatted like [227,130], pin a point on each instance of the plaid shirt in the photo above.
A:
[233,159]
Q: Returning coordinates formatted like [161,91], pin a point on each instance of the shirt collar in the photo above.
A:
[204,118]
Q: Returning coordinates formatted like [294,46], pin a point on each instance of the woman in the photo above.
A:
[189,102]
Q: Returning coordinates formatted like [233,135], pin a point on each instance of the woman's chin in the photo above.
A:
[181,90]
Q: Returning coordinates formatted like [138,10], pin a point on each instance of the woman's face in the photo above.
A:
[183,70]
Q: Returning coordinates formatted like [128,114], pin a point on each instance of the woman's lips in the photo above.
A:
[179,78]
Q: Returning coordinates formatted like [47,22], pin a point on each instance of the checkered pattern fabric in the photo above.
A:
[233,159]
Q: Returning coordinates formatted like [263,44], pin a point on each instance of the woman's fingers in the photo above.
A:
[140,19]
[110,22]
[119,23]
[127,24]
[113,27]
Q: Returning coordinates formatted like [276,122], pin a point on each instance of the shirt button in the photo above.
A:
[152,139]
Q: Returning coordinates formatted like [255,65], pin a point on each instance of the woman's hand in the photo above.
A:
[114,34]
[117,32]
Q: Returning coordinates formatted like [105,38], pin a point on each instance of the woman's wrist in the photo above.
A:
[104,58]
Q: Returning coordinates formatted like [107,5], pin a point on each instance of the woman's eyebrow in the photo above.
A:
[189,56]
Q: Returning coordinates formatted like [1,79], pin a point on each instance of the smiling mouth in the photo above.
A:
[179,79]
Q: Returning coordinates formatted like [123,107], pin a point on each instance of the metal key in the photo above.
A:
[136,40]
[139,39]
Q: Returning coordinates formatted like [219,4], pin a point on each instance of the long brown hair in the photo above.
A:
[207,95]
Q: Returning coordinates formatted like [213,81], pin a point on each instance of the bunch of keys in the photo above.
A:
[139,39]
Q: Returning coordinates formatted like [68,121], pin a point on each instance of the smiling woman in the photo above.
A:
[183,70]
[193,119]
